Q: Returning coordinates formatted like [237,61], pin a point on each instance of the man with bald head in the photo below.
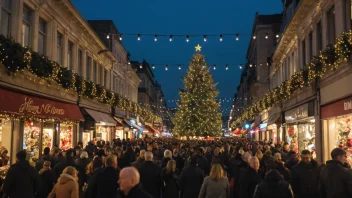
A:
[129,184]
[251,178]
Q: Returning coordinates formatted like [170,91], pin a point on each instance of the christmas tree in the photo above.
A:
[198,113]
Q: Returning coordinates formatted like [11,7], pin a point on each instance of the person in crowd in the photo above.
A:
[140,160]
[250,179]
[267,161]
[305,176]
[130,186]
[217,158]
[83,160]
[104,182]
[216,184]
[170,180]
[67,185]
[46,180]
[167,157]
[335,179]
[21,179]
[150,176]
[273,186]
[202,161]
[180,161]
[191,179]
[285,151]
[69,161]
[45,157]
[293,160]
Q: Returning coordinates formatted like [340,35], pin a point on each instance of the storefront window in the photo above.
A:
[48,134]
[66,135]
[31,137]
[301,137]
[86,138]
[339,135]
[5,141]
[102,133]
[119,132]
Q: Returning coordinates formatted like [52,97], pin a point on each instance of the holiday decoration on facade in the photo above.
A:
[328,60]
[16,58]
[198,113]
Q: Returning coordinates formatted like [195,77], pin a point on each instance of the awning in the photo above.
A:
[132,124]
[273,119]
[103,118]
[119,122]
[151,129]
[25,105]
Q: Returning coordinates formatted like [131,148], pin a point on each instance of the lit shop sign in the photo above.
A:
[29,107]
[297,113]
[264,125]
[347,105]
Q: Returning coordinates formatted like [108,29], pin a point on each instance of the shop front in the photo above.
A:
[273,129]
[300,128]
[336,125]
[98,125]
[263,125]
[255,128]
[33,123]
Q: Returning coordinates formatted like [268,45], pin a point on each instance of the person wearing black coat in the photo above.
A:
[46,157]
[250,179]
[274,186]
[150,174]
[171,180]
[46,180]
[191,179]
[69,161]
[21,180]
[203,162]
[129,184]
[305,177]
[335,179]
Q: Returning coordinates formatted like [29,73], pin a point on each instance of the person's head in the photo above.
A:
[148,156]
[194,160]
[84,155]
[286,146]
[111,161]
[167,154]
[97,162]
[254,163]
[216,151]
[46,151]
[175,152]
[246,156]
[277,156]
[142,154]
[306,156]
[70,170]
[259,154]
[129,178]
[339,154]
[268,152]
[21,156]
[47,164]
[171,166]
[216,172]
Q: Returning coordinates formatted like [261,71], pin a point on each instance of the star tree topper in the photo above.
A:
[198,47]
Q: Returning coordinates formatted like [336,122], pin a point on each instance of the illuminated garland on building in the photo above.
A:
[16,58]
[328,60]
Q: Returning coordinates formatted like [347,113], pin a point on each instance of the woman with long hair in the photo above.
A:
[170,180]
[216,184]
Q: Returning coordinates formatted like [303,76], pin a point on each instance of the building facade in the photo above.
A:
[56,85]
[309,76]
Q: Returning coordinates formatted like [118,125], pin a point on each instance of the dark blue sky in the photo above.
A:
[184,17]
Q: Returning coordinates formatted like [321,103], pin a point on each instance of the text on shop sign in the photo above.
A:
[29,107]
[347,105]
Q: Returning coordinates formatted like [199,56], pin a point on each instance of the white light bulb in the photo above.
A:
[179,67]
[266,36]
[139,37]
[166,68]
[205,38]
[277,36]
[254,37]
[187,38]
[108,36]
[170,38]
[120,37]
[237,37]
[155,38]
[153,66]
[220,37]
[214,67]
[141,66]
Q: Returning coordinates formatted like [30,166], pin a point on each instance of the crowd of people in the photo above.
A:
[172,168]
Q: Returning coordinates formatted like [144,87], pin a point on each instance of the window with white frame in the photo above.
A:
[89,67]
[69,55]
[94,71]
[319,37]
[6,13]
[42,36]
[26,26]
[59,42]
[310,40]
[331,25]
[80,62]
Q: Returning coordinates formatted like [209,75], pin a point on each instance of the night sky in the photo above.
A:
[184,17]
